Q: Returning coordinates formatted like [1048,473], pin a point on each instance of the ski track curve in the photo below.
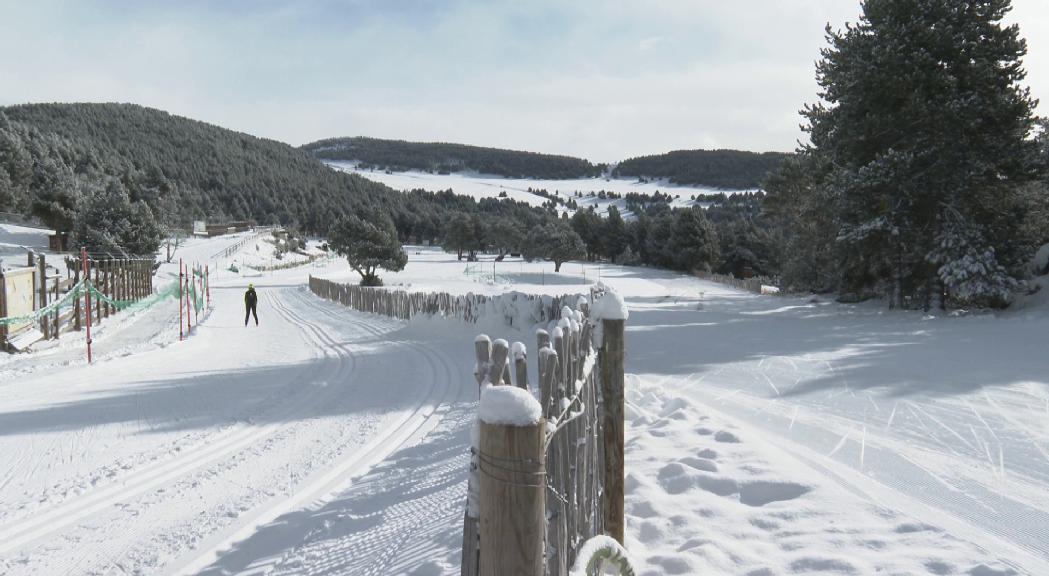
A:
[141,488]
[426,415]
[219,445]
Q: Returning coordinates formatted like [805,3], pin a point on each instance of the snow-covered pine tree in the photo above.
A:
[110,223]
[693,242]
[926,129]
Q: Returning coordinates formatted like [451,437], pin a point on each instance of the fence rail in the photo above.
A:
[257,232]
[753,284]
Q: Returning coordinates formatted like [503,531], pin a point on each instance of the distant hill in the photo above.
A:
[726,169]
[439,157]
[185,169]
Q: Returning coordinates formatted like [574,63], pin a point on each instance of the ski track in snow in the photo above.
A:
[207,494]
[765,435]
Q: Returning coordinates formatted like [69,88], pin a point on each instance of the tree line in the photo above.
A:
[444,158]
[725,169]
[117,175]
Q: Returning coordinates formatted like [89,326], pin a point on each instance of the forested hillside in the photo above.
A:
[727,169]
[398,155]
[53,157]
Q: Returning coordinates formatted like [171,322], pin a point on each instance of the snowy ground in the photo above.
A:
[766,435]
[261,254]
[489,186]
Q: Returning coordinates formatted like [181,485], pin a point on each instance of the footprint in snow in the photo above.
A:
[762,492]
[700,464]
[727,437]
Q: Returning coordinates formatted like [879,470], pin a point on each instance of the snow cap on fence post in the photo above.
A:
[509,406]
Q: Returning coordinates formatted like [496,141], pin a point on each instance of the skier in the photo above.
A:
[250,300]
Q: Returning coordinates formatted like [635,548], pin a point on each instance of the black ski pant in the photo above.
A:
[249,312]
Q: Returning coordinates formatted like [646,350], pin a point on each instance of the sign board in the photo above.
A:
[19,294]
[200,228]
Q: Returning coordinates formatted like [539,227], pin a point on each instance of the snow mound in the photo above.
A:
[1040,263]
[509,405]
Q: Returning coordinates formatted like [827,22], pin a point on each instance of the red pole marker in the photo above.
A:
[87,300]
[181,336]
[207,285]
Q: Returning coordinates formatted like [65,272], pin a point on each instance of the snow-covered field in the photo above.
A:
[488,186]
[765,436]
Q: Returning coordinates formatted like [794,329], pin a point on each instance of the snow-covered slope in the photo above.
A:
[765,435]
[488,186]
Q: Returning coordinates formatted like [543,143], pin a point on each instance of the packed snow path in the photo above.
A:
[202,456]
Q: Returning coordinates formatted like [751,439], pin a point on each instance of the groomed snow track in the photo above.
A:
[185,494]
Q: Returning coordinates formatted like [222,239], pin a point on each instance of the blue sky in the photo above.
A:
[601,79]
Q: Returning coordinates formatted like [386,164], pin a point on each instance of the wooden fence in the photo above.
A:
[511,308]
[753,284]
[537,493]
[128,279]
[533,505]
[257,233]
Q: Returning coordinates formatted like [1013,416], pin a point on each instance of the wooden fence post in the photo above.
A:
[44,320]
[513,499]
[521,365]
[610,359]
[98,286]
[56,327]
[498,372]
[3,311]
[76,301]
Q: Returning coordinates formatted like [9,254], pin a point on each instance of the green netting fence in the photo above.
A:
[69,300]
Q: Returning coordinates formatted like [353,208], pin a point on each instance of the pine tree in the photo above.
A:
[693,243]
[368,243]
[110,224]
[926,129]
[614,233]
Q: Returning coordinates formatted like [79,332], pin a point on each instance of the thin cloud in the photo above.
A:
[591,78]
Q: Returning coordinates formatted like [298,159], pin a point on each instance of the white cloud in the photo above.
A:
[649,43]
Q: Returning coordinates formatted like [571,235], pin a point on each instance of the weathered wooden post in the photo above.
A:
[513,483]
[612,314]
[520,354]
[44,320]
[56,327]
[471,559]
[98,286]
[87,299]
[498,372]
[3,310]
[76,301]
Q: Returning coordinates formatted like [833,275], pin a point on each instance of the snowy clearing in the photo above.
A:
[765,435]
[489,186]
